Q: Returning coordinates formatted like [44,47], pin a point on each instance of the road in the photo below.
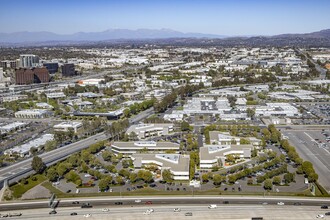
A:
[303,140]
[22,169]
[235,208]
[320,69]
[245,212]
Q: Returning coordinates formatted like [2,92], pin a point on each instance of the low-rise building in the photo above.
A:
[11,98]
[177,164]
[65,126]
[150,130]
[12,127]
[24,149]
[215,155]
[131,147]
[33,113]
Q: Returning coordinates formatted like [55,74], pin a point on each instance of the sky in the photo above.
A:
[223,17]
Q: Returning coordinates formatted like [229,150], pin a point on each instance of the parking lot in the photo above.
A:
[313,146]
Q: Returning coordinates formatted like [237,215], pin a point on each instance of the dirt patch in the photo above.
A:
[38,192]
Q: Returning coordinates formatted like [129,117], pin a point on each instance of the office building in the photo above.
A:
[177,164]
[129,148]
[51,67]
[29,76]
[68,70]
[29,60]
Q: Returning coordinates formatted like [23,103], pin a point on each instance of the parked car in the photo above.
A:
[324,207]
[320,216]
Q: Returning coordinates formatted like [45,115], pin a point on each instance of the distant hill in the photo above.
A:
[162,37]
[319,34]
[23,37]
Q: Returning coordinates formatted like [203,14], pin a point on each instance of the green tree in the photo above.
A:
[289,177]
[133,177]
[38,165]
[167,176]
[52,175]
[185,126]
[268,184]
[276,180]
[119,180]
[218,179]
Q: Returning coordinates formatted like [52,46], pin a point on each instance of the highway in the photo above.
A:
[245,212]
[22,169]
[234,208]
[167,200]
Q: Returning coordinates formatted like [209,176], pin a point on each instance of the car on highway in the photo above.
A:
[319,216]
[327,213]
[137,200]
[73,213]
[150,210]
[212,206]
[53,212]
[177,210]
[264,203]
[324,207]
[280,203]
[75,202]
[297,203]
[105,210]
[87,215]
[118,203]
[146,213]
[188,214]
[148,203]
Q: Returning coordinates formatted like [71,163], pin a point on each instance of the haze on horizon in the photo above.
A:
[223,17]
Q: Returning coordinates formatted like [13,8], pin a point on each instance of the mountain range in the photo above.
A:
[111,34]
[163,36]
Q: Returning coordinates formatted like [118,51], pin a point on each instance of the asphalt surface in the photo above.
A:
[167,212]
[200,200]
[305,144]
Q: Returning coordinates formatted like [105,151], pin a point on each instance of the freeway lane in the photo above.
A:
[166,212]
[130,201]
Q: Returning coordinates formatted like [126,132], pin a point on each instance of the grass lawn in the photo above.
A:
[19,189]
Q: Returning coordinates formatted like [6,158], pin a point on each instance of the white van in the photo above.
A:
[213,206]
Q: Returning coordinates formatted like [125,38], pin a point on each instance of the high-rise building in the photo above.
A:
[25,76]
[29,60]
[68,70]
[51,67]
